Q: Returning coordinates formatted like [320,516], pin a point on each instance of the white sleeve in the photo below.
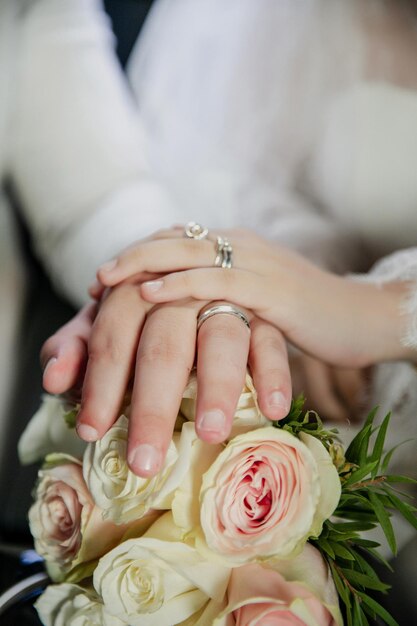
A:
[399,266]
[78,155]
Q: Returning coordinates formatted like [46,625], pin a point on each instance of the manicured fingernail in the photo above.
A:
[50,363]
[109,266]
[145,459]
[277,400]
[153,285]
[86,432]
[213,421]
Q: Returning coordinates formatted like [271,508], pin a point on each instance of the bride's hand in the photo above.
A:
[338,320]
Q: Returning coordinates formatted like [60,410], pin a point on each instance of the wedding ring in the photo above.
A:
[217,309]
[224,253]
[193,230]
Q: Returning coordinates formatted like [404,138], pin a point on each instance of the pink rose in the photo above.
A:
[265,494]
[299,592]
[67,527]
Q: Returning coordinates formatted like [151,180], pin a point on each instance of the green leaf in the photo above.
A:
[70,418]
[388,456]
[384,520]
[341,588]
[379,443]
[360,473]
[406,510]
[365,581]
[395,478]
[378,609]
[341,551]
[361,440]
[325,545]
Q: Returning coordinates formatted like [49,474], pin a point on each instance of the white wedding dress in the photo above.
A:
[297,119]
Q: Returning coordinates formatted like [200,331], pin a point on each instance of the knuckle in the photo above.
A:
[163,353]
[104,346]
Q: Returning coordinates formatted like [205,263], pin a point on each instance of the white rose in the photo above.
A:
[247,416]
[71,605]
[48,432]
[121,494]
[155,582]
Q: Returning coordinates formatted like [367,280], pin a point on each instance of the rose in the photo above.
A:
[48,432]
[157,580]
[298,592]
[67,527]
[121,494]
[265,494]
[247,415]
[71,605]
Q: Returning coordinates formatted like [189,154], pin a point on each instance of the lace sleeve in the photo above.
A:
[402,266]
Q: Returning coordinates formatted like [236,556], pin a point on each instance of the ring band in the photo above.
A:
[228,309]
[224,253]
[193,230]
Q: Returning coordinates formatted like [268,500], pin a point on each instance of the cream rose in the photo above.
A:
[299,592]
[265,494]
[121,494]
[247,416]
[151,581]
[71,605]
[67,527]
[48,432]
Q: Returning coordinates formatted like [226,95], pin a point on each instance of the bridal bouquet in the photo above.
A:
[268,528]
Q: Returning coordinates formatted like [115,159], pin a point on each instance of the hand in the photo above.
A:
[325,315]
[161,340]
[337,394]
[64,355]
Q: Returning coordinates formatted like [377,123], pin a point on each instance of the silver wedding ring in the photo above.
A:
[224,253]
[193,230]
[217,309]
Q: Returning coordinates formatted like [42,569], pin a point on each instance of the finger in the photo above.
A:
[223,348]
[63,355]
[111,354]
[268,360]
[351,385]
[242,287]
[157,256]
[164,361]
[321,393]
[97,288]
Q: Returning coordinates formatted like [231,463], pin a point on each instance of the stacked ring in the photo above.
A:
[224,253]
[216,309]
[224,249]
[193,230]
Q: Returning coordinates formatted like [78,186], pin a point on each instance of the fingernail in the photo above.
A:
[213,421]
[109,266]
[50,363]
[153,285]
[277,400]
[145,459]
[86,432]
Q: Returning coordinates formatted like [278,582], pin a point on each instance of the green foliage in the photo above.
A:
[70,417]
[369,498]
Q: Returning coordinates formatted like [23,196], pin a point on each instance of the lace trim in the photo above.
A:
[401,265]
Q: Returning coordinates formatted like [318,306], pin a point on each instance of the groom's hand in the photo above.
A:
[159,345]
